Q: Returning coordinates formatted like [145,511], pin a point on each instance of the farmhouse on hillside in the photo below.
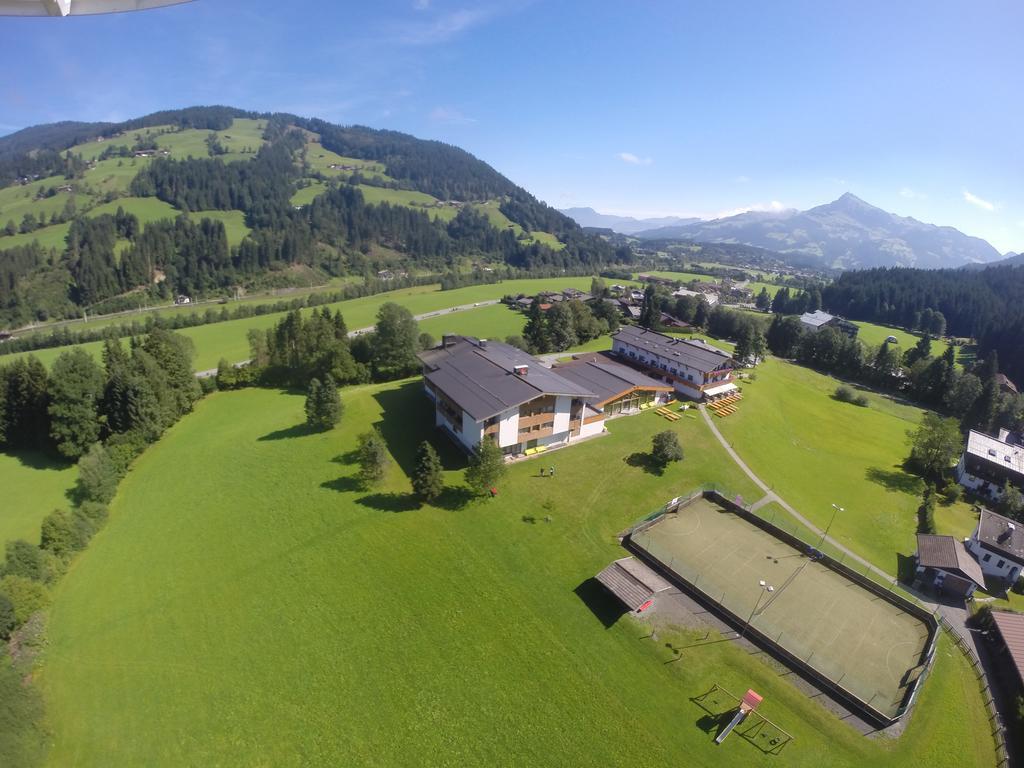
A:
[998,543]
[695,369]
[485,388]
[945,563]
[815,321]
[987,463]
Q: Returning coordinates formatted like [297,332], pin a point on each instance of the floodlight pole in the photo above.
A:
[765,587]
[835,509]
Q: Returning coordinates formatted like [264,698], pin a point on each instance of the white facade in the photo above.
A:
[993,563]
[589,430]
[562,406]
[694,380]
[508,428]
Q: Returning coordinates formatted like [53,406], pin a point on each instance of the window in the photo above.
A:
[986,558]
[1000,564]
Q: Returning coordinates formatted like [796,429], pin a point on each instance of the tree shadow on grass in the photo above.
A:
[645,462]
[606,608]
[38,459]
[299,430]
[390,502]
[899,480]
[454,497]
[349,457]
[407,420]
[350,484]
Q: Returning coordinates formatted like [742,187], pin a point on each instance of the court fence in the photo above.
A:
[734,504]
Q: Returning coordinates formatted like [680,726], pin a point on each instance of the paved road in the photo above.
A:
[359,331]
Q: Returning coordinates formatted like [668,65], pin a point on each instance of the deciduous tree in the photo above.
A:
[486,466]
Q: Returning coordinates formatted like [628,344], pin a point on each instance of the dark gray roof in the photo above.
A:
[1001,535]
[632,582]
[948,554]
[698,355]
[606,378]
[480,376]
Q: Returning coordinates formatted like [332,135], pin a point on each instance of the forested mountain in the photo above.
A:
[200,200]
[846,233]
[986,304]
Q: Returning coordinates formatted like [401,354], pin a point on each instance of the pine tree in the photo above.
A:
[323,406]
[373,457]
[536,330]
[486,466]
[427,479]
[763,300]
[313,404]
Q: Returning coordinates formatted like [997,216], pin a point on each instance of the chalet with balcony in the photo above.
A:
[483,388]
[695,369]
[998,544]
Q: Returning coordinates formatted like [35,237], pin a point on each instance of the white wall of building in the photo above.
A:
[592,429]
[508,428]
[562,406]
[472,431]
[992,563]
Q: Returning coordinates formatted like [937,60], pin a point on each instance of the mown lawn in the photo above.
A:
[32,485]
[249,604]
[816,451]
[873,335]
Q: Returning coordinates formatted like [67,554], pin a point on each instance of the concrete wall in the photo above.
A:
[472,431]
[592,429]
[562,406]
[508,428]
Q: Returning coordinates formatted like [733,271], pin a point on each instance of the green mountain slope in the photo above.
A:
[202,200]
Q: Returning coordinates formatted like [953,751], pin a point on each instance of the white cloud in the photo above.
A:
[979,202]
[912,194]
[443,28]
[629,157]
[450,116]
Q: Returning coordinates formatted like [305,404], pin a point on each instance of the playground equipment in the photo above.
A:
[748,704]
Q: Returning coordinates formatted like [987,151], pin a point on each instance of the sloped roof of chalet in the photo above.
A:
[1011,629]
[996,451]
[694,354]
[1001,535]
[606,378]
[948,554]
[632,582]
[480,376]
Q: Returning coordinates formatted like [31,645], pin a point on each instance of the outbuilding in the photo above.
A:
[633,583]
[944,563]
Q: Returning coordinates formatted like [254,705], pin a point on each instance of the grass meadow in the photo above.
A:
[249,603]
[33,485]
[816,451]
[229,339]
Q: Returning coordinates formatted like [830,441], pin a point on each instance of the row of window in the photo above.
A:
[663,366]
[537,427]
[988,556]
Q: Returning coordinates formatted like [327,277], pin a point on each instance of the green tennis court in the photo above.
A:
[849,635]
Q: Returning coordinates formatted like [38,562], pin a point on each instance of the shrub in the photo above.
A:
[952,492]
[844,394]
[926,512]
[123,448]
[665,448]
[861,400]
[64,533]
[98,475]
[27,596]
[1018,585]
[6,617]
[25,560]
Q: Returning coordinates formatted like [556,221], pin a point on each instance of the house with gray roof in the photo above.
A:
[946,563]
[487,389]
[694,368]
[815,321]
[998,544]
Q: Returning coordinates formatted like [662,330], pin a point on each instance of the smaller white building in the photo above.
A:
[998,545]
[988,463]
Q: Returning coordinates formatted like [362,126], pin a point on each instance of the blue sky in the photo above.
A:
[644,108]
